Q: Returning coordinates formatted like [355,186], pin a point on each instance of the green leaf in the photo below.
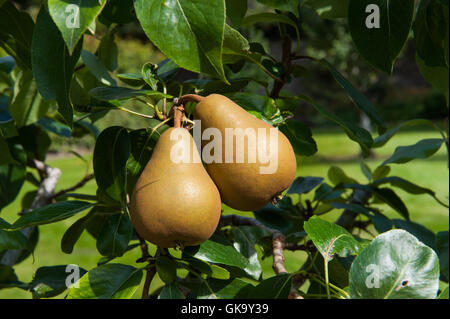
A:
[16,32]
[95,65]
[115,234]
[234,42]
[111,153]
[327,193]
[150,75]
[171,291]
[386,137]
[300,135]
[268,17]
[52,64]
[110,281]
[188,32]
[133,79]
[118,11]
[8,128]
[413,270]
[11,181]
[389,197]
[4,224]
[422,233]
[108,51]
[54,126]
[431,33]
[50,281]
[284,5]
[73,233]
[359,99]
[217,250]
[442,243]
[329,9]
[365,169]
[331,239]
[236,10]
[405,185]
[337,176]
[51,213]
[7,63]
[380,46]
[244,240]
[35,141]
[437,76]
[167,269]
[422,149]
[303,185]
[13,240]
[222,289]
[27,105]
[277,287]
[381,222]
[73,17]
[142,143]
[381,172]
[8,278]
[249,101]
[108,93]
[444,294]
[203,267]
[279,218]
[355,133]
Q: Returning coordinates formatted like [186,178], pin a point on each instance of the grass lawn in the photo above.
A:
[334,149]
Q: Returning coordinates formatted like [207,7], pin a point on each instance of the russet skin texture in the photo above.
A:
[175,204]
[241,185]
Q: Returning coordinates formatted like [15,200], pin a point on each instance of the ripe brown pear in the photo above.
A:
[241,185]
[175,204]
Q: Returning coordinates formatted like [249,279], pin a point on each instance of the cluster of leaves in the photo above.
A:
[51,84]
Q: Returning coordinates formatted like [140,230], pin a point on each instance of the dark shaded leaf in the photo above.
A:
[115,234]
[303,185]
[111,153]
[50,281]
[300,136]
[380,46]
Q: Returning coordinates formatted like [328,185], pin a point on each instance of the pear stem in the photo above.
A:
[178,115]
[188,98]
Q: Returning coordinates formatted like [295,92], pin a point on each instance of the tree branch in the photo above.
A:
[80,184]
[44,194]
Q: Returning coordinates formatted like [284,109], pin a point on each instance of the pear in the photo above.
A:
[175,203]
[243,185]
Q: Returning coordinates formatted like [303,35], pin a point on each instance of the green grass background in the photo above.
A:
[334,149]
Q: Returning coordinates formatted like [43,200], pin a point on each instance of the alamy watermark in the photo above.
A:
[73,277]
[262,146]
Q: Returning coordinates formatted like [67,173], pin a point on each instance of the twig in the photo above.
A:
[150,271]
[80,184]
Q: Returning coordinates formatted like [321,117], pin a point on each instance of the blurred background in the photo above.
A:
[403,96]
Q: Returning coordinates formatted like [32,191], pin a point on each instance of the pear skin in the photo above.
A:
[242,186]
[175,204]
